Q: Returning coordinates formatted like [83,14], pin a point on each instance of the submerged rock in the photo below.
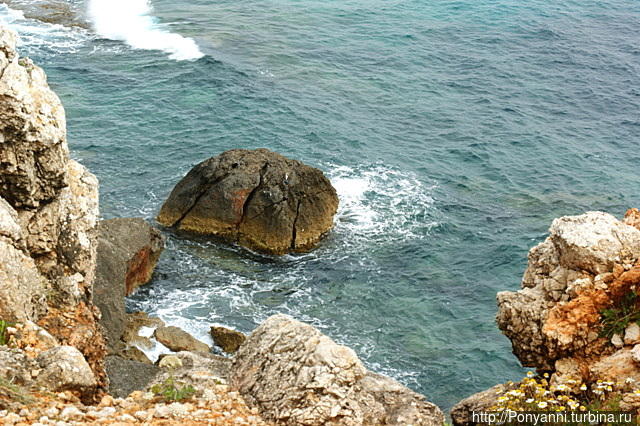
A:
[295,375]
[258,199]
[229,340]
[128,251]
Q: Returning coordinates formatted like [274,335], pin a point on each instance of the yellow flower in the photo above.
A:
[546,375]
[529,374]
[542,404]
[583,387]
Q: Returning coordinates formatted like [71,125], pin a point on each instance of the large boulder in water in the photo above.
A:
[258,199]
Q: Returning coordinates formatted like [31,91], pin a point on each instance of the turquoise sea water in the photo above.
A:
[454,131]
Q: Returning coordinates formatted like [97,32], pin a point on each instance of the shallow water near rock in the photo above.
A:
[454,133]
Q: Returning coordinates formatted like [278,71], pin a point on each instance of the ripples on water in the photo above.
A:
[454,132]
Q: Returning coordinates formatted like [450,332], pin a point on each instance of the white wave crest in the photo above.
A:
[131,21]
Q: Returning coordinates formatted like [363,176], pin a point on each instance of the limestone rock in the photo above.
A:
[229,340]
[48,214]
[135,322]
[593,241]
[198,369]
[462,412]
[128,251]
[170,361]
[565,287]
[632,334]
[23,287]
[16,367]
[64,368]
[616,367]
[617,341]
[632,218]
[295,375]
[258,199]
[635,353]
[32,131]
[178,340]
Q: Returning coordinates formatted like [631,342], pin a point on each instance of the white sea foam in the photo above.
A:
[380,202]
[131,21]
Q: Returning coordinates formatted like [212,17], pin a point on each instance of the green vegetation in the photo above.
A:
[616,319]
[3,332]
[14,392]
[171,390]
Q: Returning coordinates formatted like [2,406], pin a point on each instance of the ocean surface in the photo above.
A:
[454,132]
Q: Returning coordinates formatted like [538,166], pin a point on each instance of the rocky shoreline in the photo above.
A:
[71,354]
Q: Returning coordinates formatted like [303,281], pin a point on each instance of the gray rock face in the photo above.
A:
[64,368]
[178,340]
[128,251]
[258,199]
[296,375]
[126,376]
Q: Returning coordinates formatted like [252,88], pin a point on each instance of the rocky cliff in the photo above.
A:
[48,214]
[574,319]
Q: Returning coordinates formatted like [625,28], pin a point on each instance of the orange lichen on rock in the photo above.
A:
[140,270]
[566,321]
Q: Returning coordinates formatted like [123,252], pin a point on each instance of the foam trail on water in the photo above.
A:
[131,21]
[40,38]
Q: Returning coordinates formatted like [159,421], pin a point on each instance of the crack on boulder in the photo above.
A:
[249,198]
[294,231]
[198,198]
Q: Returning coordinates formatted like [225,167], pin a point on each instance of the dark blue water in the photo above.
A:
[454,131]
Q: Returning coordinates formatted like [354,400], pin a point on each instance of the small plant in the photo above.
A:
[14,392]
[615,320]
[171,390]
[3,332]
